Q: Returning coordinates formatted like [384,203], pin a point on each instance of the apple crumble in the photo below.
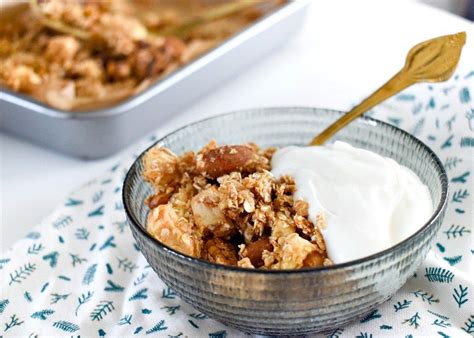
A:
[83,54]
[222,204]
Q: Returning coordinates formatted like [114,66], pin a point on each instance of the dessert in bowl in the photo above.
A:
[294,285]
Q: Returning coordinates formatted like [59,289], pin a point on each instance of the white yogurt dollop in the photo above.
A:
[370,202]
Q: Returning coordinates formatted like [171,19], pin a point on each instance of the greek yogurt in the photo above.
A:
[368,202]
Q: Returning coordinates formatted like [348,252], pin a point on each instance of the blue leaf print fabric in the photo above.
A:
[80,272]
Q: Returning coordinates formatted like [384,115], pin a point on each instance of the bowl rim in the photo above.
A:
[437,213]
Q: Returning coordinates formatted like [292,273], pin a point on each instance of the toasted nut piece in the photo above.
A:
[208,217]
[157,200]
[314,259]
[254,251]
[218,251]
[223,160]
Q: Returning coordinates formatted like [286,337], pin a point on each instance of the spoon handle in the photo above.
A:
[222,11]
[429,61]
[393,86]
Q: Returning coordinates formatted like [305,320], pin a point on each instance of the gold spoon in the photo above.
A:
[430,61]
[210,15]
[180,30]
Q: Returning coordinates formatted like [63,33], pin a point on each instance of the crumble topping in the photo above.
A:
[83,54]
[223,204]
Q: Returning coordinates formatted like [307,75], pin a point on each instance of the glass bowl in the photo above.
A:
[270,302]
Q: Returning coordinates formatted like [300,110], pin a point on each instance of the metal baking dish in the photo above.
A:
[99,133]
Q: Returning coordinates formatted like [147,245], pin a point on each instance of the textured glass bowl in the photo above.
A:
[291,301]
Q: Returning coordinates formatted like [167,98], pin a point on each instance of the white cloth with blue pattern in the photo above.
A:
[80,273]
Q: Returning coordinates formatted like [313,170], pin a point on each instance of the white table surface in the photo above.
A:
[343,52]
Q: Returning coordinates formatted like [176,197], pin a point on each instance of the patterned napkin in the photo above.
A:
[80,273]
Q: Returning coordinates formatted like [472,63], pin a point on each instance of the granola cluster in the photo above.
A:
[223,204]
[82,54]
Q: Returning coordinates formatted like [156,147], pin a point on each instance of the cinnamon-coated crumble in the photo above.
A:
[223,205]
